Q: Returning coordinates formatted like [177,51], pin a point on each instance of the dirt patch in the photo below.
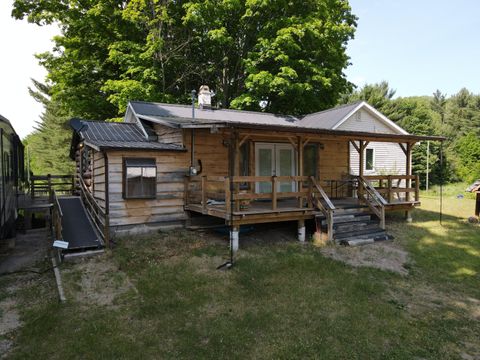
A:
[10,320]
[96,280]
[385,256]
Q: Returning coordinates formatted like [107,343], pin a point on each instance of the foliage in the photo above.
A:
[468,150]
[287,55]
[49,144]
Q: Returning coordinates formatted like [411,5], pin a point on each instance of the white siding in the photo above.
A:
[389,159]
[366,123]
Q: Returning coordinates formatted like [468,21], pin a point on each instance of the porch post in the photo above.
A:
[301,230]
[236,167]
[300,168]
[408,182]
[360,166]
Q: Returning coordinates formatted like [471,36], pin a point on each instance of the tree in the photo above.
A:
[438,104]
[379,95]
[288,56]
[468,150]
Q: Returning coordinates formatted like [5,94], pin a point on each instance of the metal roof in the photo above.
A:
[117,135]
[182,114]
[327,119]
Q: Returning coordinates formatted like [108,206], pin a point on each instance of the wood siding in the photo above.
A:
[167,207]
[168,135]
[333,160]
[98,178]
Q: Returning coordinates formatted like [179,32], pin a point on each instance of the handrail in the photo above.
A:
[326,210]
[390,191]
[99,217]
[374,200]
[57,216]
[43,184]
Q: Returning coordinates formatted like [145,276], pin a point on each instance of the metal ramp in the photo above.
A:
[77,229]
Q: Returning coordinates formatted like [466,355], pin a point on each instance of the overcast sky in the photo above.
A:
[417,46]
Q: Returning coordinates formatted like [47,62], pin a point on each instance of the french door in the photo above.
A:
[274,160]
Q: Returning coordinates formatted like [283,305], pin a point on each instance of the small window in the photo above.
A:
[369,159]
[310,160]
[140,179]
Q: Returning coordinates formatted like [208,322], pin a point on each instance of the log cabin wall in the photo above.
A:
[333,161]
[142,215]
[98,177]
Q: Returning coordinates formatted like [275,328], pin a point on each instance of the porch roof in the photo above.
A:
[324,122]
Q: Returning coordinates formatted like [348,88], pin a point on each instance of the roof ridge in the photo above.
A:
[356,103]
[218,109]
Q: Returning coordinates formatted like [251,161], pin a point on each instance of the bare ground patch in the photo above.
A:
[385,256]
[96,281]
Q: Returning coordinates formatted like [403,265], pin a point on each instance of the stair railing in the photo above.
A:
[316,195]
[57,216]
[373,199]
[98,216]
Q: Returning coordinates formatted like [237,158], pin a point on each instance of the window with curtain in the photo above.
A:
[140,179]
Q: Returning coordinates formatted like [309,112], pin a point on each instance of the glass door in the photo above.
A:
[274,160]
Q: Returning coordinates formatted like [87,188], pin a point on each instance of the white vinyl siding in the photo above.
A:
[389,159]
[366,123]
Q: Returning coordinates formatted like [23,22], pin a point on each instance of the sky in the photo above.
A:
[418,46]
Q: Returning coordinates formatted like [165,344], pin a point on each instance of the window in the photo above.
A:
[369,159]
[140,179]
[310,160]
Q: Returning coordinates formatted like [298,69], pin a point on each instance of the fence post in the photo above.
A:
[417,188]
[228,198]
[49,187]
[106,231]
[389,194]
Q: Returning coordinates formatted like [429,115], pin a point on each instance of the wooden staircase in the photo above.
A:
[353,226]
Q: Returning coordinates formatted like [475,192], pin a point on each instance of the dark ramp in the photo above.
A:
[77,229]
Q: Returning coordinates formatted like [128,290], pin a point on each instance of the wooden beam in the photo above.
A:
[355,145]
[403,148]
[292,141]
[242,141]
[300,167]
[306,141]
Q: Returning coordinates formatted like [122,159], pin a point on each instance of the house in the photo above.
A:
[165,163]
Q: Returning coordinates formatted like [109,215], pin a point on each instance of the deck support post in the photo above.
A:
[301,230]
[408,216]
[234,238]
[408,169]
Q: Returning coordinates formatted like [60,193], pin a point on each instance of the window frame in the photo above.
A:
[125,194]
[373,160]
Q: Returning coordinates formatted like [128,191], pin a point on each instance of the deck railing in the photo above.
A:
[373,199]
[392,186]
[42,185]
[99,217]
[227,189]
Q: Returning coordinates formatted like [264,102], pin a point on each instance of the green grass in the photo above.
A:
[282,300]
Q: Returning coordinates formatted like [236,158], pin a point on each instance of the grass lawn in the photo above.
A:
[160,297]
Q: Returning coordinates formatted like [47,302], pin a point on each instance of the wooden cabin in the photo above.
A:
[166,163]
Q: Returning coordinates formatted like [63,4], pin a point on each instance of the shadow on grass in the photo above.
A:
[446,253]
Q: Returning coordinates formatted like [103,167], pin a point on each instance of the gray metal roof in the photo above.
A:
[327,119]
[113,135]
[181,114]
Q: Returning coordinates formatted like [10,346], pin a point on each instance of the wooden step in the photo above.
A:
[373,232]
[358,241]
[347,218]
[354,230]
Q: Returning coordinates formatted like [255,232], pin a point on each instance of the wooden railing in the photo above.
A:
[228,189]
[320,199]
[392,186]
[373,199]
[42,185]
[57,216]
[99,217]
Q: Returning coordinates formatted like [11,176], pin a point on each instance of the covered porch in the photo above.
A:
[274,176]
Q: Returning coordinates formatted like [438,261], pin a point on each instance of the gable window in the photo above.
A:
[140,178]
[369,159]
